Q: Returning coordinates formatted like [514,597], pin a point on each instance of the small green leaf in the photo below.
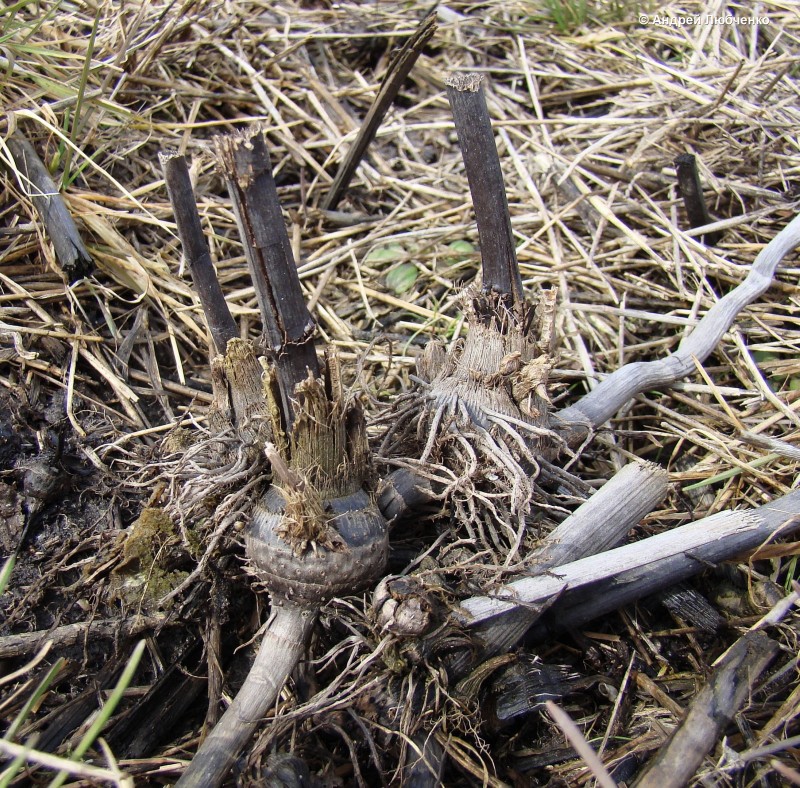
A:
[764,356]
[460,249]
[5,572]
[794,384]
[402,278]
[386,254]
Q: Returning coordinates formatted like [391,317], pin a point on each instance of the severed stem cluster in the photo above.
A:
[481,416]
[316,533]
[480,419]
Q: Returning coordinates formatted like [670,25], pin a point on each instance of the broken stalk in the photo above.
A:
[35,182]
[288,326]
[572,594]
[195,251]
[692,194]
[598,525]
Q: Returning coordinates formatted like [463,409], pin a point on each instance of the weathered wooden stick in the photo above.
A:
[396,73]
[729,687]
[36,183]
[604,520]
[195,250]
[692,194]
[582,590]
[779,447]
[598,525]
[288,325]
[282,647]
[482,163]
[15,646]
[599,405]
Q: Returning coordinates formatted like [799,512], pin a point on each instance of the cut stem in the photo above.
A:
[281,649]
[195,251]
[35,182]
[288,325]
[692,194]
[482,163]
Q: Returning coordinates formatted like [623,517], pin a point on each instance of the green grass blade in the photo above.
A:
[105,712]
[78,116]
[11,772]
[10,30]
[5,572]
[792,574]
[44,685]
[721,477]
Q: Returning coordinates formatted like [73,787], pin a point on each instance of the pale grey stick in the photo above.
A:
[281,649]
[603,521]
[779,447]
[600,404]
[13,646]
[597,525]
[582,590]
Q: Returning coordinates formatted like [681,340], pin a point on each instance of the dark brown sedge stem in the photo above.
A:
[692,194]
[288,326]
[195,251]
[396,74]
[482,163]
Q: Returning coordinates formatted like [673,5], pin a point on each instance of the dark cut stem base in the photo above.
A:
[692,194]
[288,326]
[195,250]
[482,163]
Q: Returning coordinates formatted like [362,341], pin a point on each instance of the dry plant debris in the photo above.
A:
[590,117]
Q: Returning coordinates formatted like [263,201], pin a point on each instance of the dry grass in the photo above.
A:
[588,122]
